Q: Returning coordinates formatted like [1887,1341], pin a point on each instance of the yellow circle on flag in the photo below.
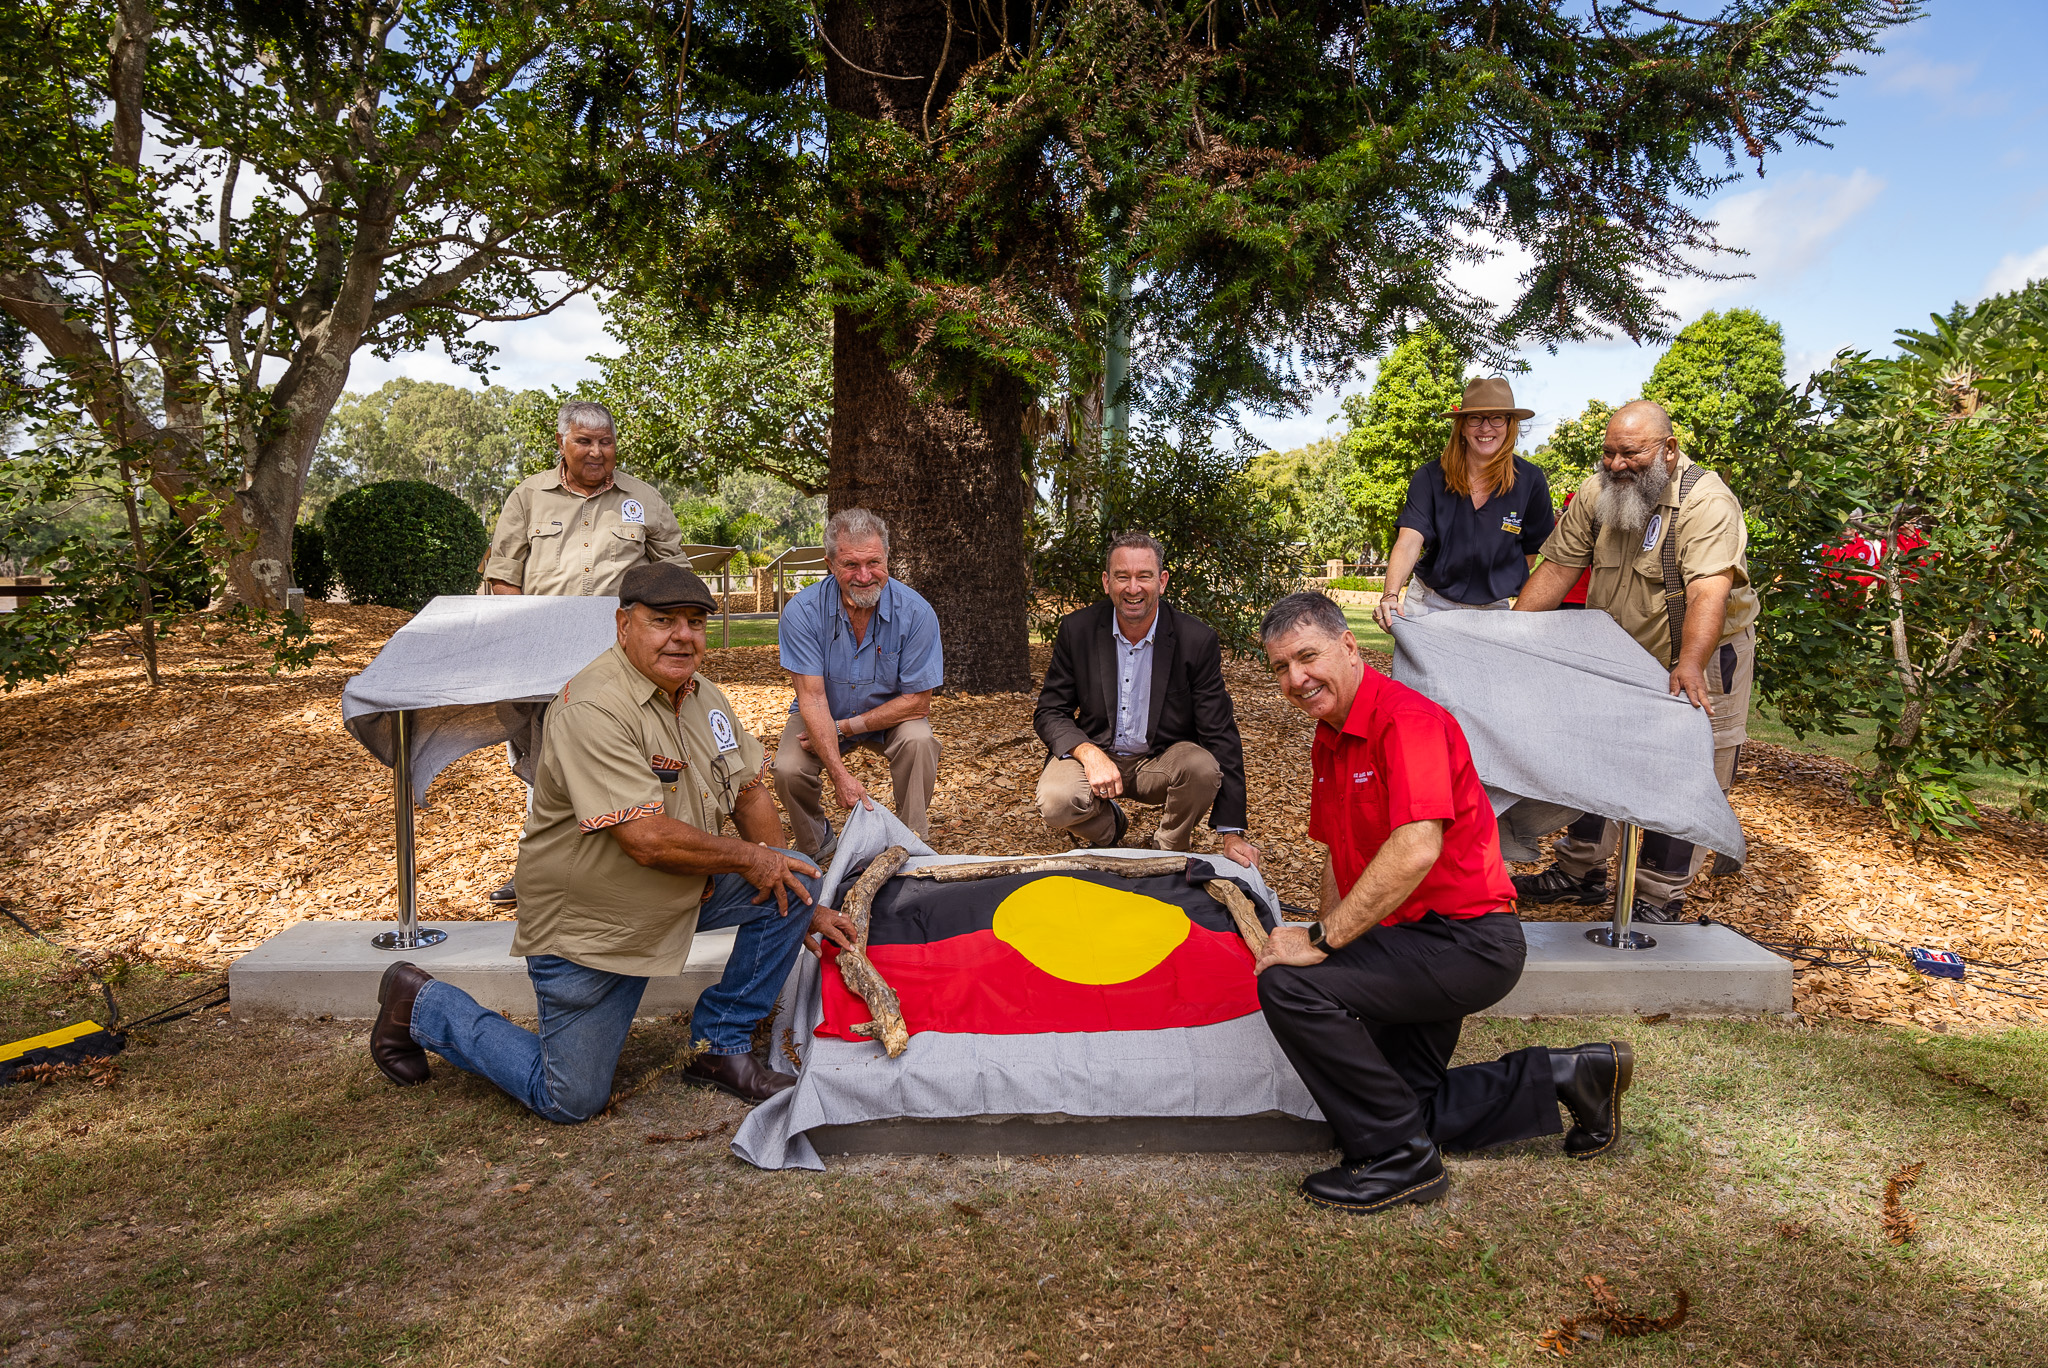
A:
[1086,933]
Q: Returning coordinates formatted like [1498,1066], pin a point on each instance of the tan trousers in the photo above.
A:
[909,747]
[1578,855]
[1184,778]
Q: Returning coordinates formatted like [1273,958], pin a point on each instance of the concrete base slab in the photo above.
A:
[1693,970]
[1057,1133]
[329,968]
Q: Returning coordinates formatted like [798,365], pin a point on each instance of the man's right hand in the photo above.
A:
[1105,780]
[775,874]
[849,790]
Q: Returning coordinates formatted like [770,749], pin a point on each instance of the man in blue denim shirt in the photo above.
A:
[864,649]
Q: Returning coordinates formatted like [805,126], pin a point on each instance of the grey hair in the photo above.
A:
[1124,540]
[855,525]
[1305,609]
[583,413]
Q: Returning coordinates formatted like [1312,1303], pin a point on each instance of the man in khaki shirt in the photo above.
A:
[1648,510]
[621,862]
[577,529]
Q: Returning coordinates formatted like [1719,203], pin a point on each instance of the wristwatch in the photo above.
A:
[1316,939]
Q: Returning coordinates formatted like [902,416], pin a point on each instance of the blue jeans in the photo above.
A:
[564,1073]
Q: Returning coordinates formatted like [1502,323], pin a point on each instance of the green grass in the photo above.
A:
[1997,787]
[255,1193]
[1367,631]
[752,632]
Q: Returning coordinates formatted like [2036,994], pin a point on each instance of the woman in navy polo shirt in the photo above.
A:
[1475,517]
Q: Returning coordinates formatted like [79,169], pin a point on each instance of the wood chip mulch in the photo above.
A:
[186,824]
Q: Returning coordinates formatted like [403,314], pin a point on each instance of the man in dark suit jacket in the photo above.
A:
[1134,705]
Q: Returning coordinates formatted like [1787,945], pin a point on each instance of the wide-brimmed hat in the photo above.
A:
[1490,395]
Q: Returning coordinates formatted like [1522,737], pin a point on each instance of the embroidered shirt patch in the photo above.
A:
[1650,532]
[1512,524]
[631,511]
[721,732]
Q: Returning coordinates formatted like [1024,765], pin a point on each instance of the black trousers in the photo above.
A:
[1372,1028]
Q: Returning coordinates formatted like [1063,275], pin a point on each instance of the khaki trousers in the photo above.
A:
[1183,777]
[1667,866]
[909,747]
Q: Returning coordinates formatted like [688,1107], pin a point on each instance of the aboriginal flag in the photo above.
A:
[1070,951]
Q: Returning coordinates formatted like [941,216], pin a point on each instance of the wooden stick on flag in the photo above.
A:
[854,967]
[1241,912]
[1144,867]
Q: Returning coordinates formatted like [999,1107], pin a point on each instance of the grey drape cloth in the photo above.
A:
[1234,1068]
[1565,714]
[474,670]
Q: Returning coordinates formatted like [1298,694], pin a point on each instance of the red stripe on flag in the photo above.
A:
[976,984]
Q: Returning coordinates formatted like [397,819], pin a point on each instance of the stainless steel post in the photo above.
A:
[1617,935]
[408,936]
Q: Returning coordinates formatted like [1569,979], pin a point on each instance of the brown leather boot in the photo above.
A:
[391,1043]
[742,1075]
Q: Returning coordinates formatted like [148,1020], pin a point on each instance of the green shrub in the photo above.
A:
[402,542]
[1357,582]
[309,562]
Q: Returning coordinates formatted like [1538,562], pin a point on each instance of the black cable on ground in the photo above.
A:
[217,994]
[113,1007]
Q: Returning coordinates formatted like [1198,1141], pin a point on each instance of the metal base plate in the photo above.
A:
[398,940]
[1634,940]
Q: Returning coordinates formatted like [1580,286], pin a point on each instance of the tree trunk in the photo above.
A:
[948,475]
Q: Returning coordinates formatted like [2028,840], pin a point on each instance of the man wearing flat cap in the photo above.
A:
[621,861]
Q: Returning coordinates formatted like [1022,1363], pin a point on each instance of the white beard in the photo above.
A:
[864,598]
[1628,504]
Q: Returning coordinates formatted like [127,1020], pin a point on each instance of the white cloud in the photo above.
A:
[2014,270]
[1916,75]
[536,353]
[1786,229]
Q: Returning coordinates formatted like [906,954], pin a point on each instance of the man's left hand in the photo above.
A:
[1691,681]
[1235,847]
[1288,945]
[831,923]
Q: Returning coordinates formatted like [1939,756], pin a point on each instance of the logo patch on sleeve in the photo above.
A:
[721,732]
[631,511]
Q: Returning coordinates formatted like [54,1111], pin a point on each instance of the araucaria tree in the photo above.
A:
[236,196]
[1282,187]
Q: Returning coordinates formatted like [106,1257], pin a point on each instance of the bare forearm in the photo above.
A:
[1547,586]
[501,587]
[881,717]
[755,818]
[1393,874]
[816,712]
[1706,612]
[1401,562]
[675,847]
[1326,905]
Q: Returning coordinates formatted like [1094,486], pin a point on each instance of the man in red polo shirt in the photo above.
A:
[1417,930]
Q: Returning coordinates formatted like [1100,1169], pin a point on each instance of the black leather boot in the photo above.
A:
[1590,1080]
[1413,1172]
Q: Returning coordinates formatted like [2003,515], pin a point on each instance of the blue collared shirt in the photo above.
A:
[900,654]
[1133,687]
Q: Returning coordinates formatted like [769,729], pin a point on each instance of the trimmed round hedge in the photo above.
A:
[309,562]
[401,542]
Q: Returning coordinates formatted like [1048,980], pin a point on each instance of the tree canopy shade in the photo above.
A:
[1285,187]
[246,193]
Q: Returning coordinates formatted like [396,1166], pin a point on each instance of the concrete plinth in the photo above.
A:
[327,968]
[1055,1133]
[1692,971]
[330,969]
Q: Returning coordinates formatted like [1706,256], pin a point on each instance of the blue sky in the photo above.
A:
[1935,190]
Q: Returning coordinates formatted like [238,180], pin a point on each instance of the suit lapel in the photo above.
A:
[1105,667]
